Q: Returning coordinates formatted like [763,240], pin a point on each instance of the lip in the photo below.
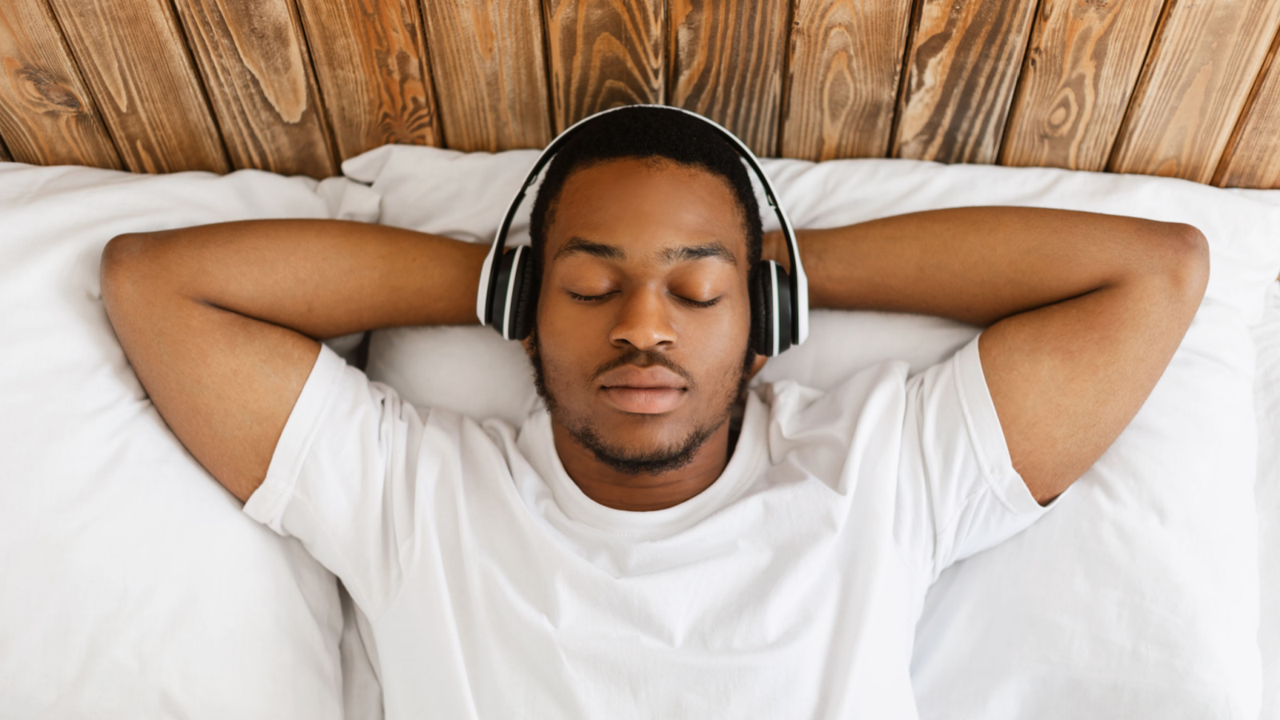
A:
[644,401]
[643,391]
[634,376]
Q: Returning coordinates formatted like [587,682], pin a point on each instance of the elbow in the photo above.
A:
[120,250]
[1185,269]
[123,250]
[122,273]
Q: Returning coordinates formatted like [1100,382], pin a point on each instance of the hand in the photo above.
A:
[773,246]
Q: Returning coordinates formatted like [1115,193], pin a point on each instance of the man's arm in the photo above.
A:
[221,322]
[1084,312]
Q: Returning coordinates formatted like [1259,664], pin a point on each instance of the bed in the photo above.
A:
[132,586]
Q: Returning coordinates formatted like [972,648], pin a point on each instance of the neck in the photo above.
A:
[622,491]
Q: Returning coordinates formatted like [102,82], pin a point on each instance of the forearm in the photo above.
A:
[1082,312]
[980,265]
[322,278]
[220,322]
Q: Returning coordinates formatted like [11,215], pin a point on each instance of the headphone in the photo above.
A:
[779,300]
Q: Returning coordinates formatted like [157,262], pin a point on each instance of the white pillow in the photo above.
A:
[1138,596]
[131,584]
[1266,335]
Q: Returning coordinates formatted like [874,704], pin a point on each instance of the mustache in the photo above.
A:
[643,358]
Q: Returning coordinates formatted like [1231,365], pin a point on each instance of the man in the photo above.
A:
[659,543]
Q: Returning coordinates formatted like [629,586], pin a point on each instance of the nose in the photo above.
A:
[644,321]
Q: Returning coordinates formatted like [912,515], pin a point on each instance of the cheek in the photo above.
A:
[574,337]
[723,335]
[570,351]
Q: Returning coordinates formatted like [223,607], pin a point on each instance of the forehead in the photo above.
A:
[646,206]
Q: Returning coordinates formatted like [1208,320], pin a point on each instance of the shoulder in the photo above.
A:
[372,417]
[820,432]
[875,390]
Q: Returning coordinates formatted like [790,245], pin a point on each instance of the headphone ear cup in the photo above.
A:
[515,291]
[761,308]
[784,317]
[495,311]
[524,306]
[770,308]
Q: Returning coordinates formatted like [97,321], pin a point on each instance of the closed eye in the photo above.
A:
[588,298]
[599,298]
[698,303]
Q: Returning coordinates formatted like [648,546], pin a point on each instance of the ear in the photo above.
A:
[757,365]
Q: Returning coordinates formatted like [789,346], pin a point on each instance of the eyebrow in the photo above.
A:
[588,247]
[684,253]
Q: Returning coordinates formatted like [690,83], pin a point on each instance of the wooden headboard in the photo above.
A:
[1184,88]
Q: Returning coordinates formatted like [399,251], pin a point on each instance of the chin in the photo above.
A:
[637,452]
[641,433]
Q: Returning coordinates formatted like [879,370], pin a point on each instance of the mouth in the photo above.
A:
[643,391]
[644,401]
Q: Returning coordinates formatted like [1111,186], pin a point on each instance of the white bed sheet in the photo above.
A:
[1266,337]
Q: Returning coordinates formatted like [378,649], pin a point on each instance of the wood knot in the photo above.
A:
[43,88]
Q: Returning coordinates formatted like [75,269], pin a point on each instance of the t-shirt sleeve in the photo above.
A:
[958,492]
[341,479]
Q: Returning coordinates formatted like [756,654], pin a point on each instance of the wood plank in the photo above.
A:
[1198,74]
[257,70]
[727,59]
[1077,78]
[846,61]
[134,60]
[603,53]
[490,73]
[4,153]
[370,65]
[1252,157]
[961,71]
[47,116]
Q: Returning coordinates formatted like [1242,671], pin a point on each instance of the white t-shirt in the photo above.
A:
[494,588]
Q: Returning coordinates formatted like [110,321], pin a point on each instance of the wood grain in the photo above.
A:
[257,70]
[603,53]
[726,62]
[1077,77]
[1252,157]
[1198,74]
[490,73]
[134,60]
[846,60]
[962,67]
[47,116]
[293,86]
[370,65]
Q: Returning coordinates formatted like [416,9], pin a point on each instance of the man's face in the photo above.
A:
[644,315]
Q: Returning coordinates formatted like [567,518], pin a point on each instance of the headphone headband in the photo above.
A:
[799,283]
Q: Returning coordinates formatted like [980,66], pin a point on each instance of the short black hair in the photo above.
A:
[646,133]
